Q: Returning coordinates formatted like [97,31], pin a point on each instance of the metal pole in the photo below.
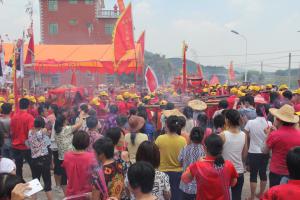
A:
[289,70]
[246,60]
[261,67]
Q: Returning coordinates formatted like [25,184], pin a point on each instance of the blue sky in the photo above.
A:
[269,25]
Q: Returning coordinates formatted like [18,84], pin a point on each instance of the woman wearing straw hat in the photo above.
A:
[135,137]
[281,141]
[197,106]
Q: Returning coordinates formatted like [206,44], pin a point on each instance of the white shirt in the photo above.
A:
[257,135]
[233,149]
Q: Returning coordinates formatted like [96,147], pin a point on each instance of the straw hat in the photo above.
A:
[135,123]
[285,113]
[197,105]
[175,112]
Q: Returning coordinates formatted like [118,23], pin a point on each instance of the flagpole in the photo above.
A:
[184,66]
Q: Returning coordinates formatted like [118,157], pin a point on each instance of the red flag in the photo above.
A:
[30,51]
[123,39]
[199,71]
[151,79]
[73,79]
[214,80]
[140,53]
[121,5]
[231,73]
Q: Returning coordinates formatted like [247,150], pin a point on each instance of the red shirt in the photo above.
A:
[231,101]
[21,123]
[122,107]
[78,167]
[291,190]
[280,142]
[33,112]
[213,183]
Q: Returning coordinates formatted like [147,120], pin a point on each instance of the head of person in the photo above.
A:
[197,134]
[7,184]
[60,122]
[293,163]
[6,109]
[141,178]
[136,123]
[188,112]
[104,149]
[287,94]
[249,101]
[262,109]
[24,104]
[42,111]
[121,121]
[143,114]
[214,147]
[232,118]
[219,121]
[284,116]
[113,109]
[170,106]
[84,108]
[274,96]
[81,140]
[132,111]
[173,125]
[114,134]
[182,123]
[148,152]
[223,104]
[54,109]
[141,108]
[92,112]
[39,122]
[91,122]
[202,119]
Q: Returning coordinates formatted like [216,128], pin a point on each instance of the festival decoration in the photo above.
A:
[151,79]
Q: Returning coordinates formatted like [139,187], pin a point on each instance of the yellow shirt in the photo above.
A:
[132,149]
[170,146]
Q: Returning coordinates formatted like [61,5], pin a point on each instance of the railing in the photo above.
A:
[107,13]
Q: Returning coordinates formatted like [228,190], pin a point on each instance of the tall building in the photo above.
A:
[77,22]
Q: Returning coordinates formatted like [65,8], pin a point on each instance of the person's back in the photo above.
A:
[133,146]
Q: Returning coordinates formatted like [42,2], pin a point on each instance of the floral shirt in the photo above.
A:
[94,135]
[64,141]
[188,155]
[38,142]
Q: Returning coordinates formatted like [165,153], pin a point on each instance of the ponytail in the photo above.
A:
[219,161]
[132,138]
[59,123]
[214,146]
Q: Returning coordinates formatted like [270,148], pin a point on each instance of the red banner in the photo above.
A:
[214,80]
[30,50]
[140,51]
[123,38]
[121,5]
[231,73]
[199,71]
[151,79]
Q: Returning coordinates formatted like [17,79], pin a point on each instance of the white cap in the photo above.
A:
[7,165]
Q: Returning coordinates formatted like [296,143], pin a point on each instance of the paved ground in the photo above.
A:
[60,196]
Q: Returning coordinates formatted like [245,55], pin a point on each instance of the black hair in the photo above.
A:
[219,121]
[214,146]
[273,97]
[114,134]
[260,108]
[143,114]
[91,122]
[197,134]
[92,112]
[249,99]
[173,124]
[287,123]
[59,123]
[223,104]
[132,111]
[39,122]
[81,140]
[288,94]
[188,112]
[113,109]
[104,146]
[41,109]
[182,123]
[148,152]
[24,104]
[6,108]
[202,119]
[46,105]
[7,184]
[84,108]
[170,106]
[121,120]
[293,163]
[233,117]
[141,175]
[55,109]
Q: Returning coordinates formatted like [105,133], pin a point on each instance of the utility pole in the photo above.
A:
[289,70]
[261,67]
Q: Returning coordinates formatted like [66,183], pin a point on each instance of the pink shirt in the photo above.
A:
[280,142]
[78,167]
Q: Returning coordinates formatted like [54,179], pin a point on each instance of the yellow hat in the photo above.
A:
[242,87]
[269,86]
[297,91]
[103,93]
[11,101]
[225,85]
[234,90]
[283,87]
[41,99]
[134,96]
[163,102]
[32,99]
[120,98]
[95,101]
[11,96]
[126,95]
[241,94]
[147,97]
[2,99]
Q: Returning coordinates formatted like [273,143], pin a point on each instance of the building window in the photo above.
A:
[89,2]
[109,29]
[73,22]
[72,1]
[53,29]
[52,5]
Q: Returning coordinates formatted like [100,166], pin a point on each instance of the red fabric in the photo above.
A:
[140,53]
[33,112]
[291,190]
[210,184]
[266,96]
[210,111]
[280,142]
[131,105]
[73,79]
[151,80]
[231,73]
[21,123]
[121,5]
[123,38]
[207,133]
[231,101]
[297,107]
[214,80]
[30,51]
[122,107]
[78,174]
[199,71]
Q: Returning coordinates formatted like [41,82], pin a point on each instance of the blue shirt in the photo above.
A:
[149,131]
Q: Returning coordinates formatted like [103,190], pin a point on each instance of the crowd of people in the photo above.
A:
[150,146]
